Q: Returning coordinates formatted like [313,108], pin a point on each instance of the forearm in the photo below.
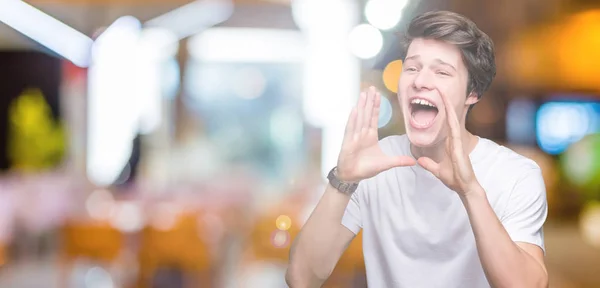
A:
[504,262]
[318,246]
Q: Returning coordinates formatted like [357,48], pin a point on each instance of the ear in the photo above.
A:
[472,99]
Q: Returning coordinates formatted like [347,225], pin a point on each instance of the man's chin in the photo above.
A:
[422,139]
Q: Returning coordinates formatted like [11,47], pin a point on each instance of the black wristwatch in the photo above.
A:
[344,187]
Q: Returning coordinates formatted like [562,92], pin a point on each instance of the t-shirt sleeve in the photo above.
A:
[352,218]
[527,209]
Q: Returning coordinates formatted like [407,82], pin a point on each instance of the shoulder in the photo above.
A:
[519,176]
[508,161]
[513,181]
[527,174]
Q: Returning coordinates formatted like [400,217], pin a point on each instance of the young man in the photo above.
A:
[466,213]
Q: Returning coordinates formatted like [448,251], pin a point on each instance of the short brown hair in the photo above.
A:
[476,47]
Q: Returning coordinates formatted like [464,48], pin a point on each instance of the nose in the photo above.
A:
[423,81]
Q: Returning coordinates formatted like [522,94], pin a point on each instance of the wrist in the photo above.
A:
[473,192]
[344,186]
[340,175]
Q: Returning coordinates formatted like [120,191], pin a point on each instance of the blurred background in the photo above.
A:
[173,143]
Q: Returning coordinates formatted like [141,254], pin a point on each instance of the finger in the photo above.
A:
[368,110]
[452,121]
[360,110]
[455,155]
[350,125]
[430,166]
[398,161]
[376,109]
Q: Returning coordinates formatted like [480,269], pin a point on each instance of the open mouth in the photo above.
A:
[422,112]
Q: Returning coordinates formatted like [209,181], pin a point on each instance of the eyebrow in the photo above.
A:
[437,60]
[414,57]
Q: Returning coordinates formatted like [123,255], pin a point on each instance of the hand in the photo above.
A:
[361,157]
[455,171]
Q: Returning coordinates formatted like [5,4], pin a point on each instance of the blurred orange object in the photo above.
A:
[271,238]
[274,229]
[272,235]
[542,57]
[3,259]
[96,241]
[180,246]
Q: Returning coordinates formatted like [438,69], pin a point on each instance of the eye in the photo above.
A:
[443,73]
[410,69]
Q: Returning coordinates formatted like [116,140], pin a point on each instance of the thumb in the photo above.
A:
[430,166]
[398,161]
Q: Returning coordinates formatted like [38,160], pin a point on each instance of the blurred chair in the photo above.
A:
[90,240]
[177,247]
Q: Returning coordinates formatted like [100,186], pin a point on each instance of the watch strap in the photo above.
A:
[345,187]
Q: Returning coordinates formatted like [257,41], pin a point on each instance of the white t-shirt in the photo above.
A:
[416,232]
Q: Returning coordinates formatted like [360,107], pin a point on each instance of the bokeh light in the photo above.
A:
[280,239]
[384,14]
[311,15]
[589,224]
[391,75]
[127,217]
[581,163]
[561,123]
[97,277]
[283,222]
[100,204]
[365,41]
[385,112]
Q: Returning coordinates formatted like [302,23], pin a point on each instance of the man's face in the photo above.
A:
[432,68]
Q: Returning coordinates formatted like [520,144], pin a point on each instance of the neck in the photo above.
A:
[437,152]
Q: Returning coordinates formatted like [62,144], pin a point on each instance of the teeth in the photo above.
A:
[422,102]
